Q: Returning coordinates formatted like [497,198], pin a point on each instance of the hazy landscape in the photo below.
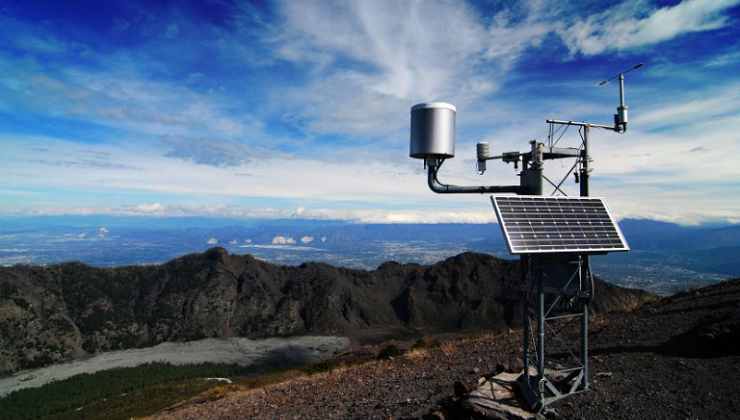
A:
[665,257]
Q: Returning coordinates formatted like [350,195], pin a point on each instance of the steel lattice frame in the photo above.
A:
[556,310]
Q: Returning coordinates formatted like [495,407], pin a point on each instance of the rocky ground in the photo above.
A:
[676,358]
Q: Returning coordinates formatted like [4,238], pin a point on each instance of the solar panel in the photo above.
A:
[536,224]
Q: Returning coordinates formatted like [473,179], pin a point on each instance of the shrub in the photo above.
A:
[420,344]
[320,367]
[389,352]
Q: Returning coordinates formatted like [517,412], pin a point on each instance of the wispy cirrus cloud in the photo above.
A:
[368,62]
[216,152]
[637,23]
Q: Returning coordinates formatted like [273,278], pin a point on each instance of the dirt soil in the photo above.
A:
[676,358]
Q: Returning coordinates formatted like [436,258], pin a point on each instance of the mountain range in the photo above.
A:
[54,313]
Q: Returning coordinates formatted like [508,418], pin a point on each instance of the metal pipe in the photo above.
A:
[524,270]
[621,90]
[541,332]
[586,265]
[555,318]
[441,188]
[581,124]
[558,152]
[584,343]
[584,167]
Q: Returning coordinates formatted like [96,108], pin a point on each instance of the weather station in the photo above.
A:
[553,234]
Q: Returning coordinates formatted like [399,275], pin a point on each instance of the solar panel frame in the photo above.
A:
[558,225]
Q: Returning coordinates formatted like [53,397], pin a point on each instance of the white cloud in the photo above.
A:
[124,99]
[655,162]
[282,240]
[404,42]
[373,60]
[150,209]
[307,239]
[724,60]
[508,37]
[691,108]
[623,26]
[214,151]
[484,215]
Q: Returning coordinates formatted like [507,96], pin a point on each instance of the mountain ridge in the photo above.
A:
[61,312]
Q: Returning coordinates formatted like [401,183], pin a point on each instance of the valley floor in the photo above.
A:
[678,357]
[263,354]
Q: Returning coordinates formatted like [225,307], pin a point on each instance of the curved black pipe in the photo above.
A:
[440,188]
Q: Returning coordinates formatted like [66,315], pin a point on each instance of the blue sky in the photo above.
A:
[301,108]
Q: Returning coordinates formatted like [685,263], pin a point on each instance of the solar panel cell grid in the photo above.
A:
[535,224]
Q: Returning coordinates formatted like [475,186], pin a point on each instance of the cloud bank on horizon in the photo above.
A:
[301,108]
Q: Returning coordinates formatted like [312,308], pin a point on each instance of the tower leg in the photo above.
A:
[525,273]
[540,332]
[584,321]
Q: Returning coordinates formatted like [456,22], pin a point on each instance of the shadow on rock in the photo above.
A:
[715,335]
[286,355]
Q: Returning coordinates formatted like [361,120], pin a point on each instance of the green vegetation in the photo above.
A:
[320,367]
[116,393]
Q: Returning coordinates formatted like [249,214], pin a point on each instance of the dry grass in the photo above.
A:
[633,302]
[266,379]
[417,354]
[484,336]
[448,347]
[219,390]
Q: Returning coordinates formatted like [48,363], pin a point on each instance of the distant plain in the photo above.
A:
[665,257]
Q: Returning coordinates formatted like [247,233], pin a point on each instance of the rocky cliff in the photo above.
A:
[56,313]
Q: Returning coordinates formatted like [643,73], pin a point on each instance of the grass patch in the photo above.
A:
[449,347]
[323,366]
[417,354]
[116,393]
[421,343]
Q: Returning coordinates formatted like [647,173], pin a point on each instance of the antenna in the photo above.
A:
[620,118]
[635,67]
